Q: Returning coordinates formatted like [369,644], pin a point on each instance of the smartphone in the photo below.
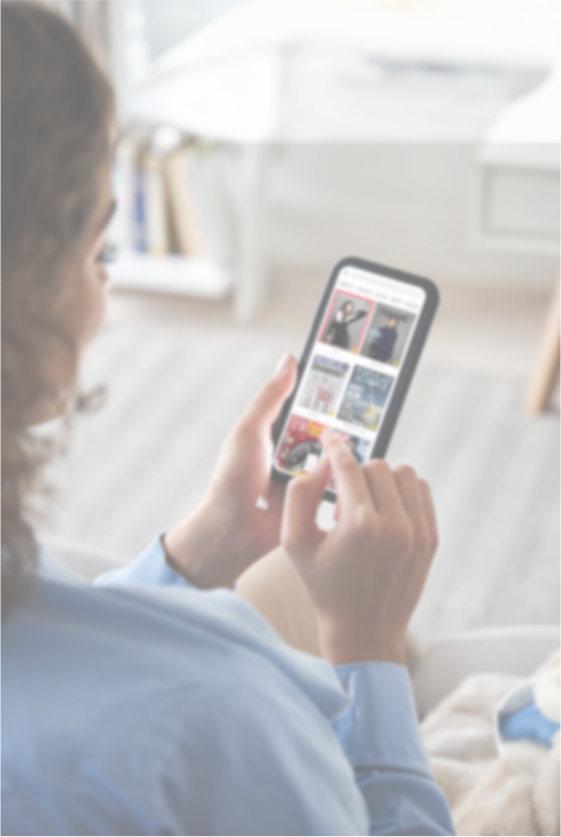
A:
[357,365]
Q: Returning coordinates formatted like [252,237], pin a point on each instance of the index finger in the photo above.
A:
[352,488]
[426,496]
[267,404]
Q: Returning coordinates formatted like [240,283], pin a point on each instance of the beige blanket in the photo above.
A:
[514,793]
[511,791]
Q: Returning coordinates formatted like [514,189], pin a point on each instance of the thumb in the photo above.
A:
[300,534]
[267,404]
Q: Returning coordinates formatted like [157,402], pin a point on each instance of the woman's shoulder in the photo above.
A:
[153,688]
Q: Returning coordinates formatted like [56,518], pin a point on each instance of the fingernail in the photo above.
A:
[283,364]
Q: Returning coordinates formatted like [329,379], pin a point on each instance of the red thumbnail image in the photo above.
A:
[347,320]
[300,447]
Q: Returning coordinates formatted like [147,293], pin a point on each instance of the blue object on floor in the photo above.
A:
[529,723]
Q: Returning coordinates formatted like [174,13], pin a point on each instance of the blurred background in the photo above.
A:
[259,143]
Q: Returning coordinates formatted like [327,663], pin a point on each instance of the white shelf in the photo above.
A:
[170,275]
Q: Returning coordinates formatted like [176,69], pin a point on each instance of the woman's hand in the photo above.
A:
[227,532]
[366,575]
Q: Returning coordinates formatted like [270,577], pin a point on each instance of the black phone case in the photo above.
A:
[407,370]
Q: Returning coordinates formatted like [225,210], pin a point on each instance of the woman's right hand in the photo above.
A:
[364,576]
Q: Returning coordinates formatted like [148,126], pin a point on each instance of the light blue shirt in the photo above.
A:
[145,706]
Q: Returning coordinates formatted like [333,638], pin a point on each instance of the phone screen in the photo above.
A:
[351,373]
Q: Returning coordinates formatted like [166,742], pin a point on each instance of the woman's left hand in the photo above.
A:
[228,532]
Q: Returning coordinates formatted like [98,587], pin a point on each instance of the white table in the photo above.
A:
[516,203]
[270,72]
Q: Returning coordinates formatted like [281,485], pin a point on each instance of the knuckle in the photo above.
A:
[364,524]
[401,535]
[405,472]
[378,471]
[435,542]
[424,540]
[378,466]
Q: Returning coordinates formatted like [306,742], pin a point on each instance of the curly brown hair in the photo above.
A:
[57,106]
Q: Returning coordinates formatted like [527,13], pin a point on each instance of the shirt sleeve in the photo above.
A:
[149,569]
[380,736]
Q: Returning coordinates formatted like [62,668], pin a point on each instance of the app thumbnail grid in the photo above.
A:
[338,389]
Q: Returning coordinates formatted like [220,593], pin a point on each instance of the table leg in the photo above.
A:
[546,367]
[252,279]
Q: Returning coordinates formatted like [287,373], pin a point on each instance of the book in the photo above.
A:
[205,179]
[200,208]
[155,210]
[139,222]
[139,210]
[171,197]
[122,228]
[184,219]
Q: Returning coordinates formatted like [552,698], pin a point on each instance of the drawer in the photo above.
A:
[517,201]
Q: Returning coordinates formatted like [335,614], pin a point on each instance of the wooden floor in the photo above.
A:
[478,328]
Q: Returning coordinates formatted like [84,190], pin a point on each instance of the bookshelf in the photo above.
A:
[172,224]
[171,274]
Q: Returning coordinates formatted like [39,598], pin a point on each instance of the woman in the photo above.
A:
[337,332]
[383,343]
[158,702]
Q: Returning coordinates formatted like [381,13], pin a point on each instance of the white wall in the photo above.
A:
[401,204]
